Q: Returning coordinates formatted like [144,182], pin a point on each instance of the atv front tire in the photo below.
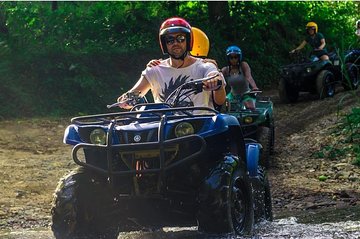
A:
[79,208]
[325,84]
[352,81]
[287,93]
[265,135]
[226,201]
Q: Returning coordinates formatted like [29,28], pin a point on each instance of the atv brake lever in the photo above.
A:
[113,105]
[198,84]
[131,99]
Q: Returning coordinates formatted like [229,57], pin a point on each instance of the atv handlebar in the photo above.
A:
[131,98]
[191,87]
[252,93]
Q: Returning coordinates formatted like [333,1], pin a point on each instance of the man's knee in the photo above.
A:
[324,57]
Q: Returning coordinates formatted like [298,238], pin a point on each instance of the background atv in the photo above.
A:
[256,124]
[346,71]
[160,165]
[352,63]
[306,75]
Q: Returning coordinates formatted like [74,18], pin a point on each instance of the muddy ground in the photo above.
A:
[33,159]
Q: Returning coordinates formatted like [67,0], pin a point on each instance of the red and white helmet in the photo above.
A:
[174,25]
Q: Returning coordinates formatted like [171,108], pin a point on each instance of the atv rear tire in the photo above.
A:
[351,82]
[287,93]
[79,206]
[262,198]
[226,201]
[325,84]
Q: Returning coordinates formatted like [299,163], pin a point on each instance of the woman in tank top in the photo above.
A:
[238,77]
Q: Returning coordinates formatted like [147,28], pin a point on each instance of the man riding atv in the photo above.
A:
[176,40]
[163,164]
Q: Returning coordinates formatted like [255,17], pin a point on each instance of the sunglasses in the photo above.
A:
[233,57]
[171,40]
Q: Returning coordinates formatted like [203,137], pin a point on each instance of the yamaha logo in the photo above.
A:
[137,138]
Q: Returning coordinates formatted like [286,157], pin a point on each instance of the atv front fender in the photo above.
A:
[252,158]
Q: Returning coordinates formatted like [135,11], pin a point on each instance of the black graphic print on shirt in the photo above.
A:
[173,84]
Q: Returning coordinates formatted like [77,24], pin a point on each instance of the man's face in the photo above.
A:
[176,44]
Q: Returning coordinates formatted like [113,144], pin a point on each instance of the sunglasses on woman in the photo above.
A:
[171,40]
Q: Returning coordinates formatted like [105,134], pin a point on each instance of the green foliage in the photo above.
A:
[61,58]
[348,133]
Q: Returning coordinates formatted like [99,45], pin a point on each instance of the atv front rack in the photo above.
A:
[161,146]
[144,115]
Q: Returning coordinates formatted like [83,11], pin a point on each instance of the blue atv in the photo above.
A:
[346,72]
[159,165]
[306,75]
[256,124]
[352,66]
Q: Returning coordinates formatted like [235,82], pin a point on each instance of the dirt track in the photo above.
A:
[33,159]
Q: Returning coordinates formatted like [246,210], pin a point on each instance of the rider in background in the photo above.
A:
[357,32]
[316,40]
[176,40]
[238,77]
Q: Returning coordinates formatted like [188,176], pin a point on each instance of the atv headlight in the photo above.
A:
[98,136]
[184,129]
[308,69]
[248,120]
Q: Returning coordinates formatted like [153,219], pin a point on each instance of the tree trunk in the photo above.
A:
[54,6]
[3,28]
[219,17]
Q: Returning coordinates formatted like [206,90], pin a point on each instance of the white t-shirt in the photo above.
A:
[164,79]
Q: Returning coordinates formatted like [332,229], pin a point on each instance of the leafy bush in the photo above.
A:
[347,134]
[60,58]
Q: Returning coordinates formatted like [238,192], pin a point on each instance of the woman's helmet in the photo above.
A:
[174,25]
[312,25]
[234,50]
[201,43]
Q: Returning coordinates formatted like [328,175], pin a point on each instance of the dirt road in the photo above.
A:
[33,159]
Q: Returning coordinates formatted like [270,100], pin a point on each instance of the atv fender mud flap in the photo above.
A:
[252,158]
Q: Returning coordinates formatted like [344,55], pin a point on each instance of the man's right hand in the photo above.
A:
[123,101]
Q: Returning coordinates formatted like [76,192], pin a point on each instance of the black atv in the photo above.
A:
[306,75]
[159,165]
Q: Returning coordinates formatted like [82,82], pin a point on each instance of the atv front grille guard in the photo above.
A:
[160,115]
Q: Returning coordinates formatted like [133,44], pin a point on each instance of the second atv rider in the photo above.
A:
[238,77]
[176,40]
[316,40]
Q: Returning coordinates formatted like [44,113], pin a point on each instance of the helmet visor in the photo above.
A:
[174,29]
